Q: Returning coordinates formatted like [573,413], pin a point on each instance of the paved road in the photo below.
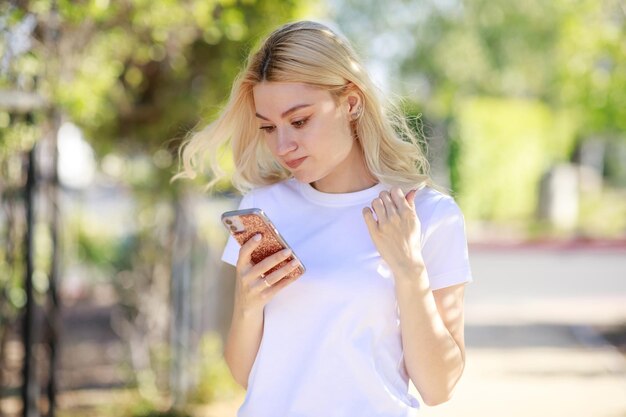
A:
[547,285]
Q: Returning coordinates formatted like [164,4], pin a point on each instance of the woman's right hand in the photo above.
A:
[252,291]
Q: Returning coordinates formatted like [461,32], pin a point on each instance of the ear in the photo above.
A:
[353,104]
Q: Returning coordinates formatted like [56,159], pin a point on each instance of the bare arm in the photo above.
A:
[242,345]
[431,321]
[251,295]
[432,336]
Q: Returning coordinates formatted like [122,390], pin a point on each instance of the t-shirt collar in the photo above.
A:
[341,199]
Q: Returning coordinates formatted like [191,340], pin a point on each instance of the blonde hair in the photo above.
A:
[310,53]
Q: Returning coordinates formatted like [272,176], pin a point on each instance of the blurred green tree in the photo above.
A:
[565,59]
[135,76]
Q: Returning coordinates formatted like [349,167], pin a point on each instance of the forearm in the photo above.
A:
[242,345]
[433,359]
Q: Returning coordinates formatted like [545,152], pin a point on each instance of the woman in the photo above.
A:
[382,299]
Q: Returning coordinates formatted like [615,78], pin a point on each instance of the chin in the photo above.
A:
[304,177]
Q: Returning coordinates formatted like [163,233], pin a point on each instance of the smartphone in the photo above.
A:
[243,224]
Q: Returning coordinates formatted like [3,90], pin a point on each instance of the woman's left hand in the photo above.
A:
[396,230]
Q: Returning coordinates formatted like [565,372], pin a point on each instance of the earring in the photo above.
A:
[357,114]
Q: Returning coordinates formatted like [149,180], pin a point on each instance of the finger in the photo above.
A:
[379,209]
[410,198]
[390,206]
[397,195]
[281,273]
[370,221]
[270,262]
[245,252]
[269,292]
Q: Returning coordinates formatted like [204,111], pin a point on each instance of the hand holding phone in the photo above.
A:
[244,224]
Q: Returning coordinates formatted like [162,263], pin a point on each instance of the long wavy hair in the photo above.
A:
[310,53]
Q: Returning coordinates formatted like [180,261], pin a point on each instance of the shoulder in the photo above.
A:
[439,214]
[276,190]
[431,203]
[443,239]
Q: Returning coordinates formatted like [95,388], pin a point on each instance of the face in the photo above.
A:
[308,133]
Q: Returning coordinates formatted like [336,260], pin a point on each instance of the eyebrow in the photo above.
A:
[287,112]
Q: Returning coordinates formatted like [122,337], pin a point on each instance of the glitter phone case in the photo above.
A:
[243,224]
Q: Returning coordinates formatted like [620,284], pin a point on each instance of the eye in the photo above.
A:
[300,123]
[267,129]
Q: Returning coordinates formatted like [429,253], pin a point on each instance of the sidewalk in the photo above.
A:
[531,346]
[526,371]
[537,370]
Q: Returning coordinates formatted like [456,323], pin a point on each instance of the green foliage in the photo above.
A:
[13,269]
[591,70]
[103,251]
[168,413]
[215,380]
[505,147]
[566,53]
[137,75]
[146,71]
[144,408]
[20,137]
[565,59]
[603,214]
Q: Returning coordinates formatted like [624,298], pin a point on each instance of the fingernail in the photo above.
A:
[257,237]
[294,263]
[286,251]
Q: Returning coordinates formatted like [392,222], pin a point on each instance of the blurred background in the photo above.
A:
[113,301]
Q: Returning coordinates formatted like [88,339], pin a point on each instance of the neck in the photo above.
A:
[347,187]
[348,178]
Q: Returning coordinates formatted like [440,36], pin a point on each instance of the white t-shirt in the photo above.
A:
[331,341]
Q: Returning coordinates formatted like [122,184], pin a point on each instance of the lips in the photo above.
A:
[295,163]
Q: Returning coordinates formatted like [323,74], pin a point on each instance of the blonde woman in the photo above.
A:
[347,185]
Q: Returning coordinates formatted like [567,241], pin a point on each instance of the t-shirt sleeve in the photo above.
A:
[444,248]
[231,250]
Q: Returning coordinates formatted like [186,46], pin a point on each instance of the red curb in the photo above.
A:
[552,244]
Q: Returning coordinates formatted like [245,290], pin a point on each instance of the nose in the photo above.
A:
[284,143]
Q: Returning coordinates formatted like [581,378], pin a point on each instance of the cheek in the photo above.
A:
[328,136]
[271,143]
